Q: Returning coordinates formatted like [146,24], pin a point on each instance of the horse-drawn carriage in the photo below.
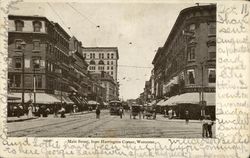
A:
[135,110]
[149,113]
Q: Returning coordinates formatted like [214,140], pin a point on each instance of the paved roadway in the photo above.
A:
[87,125]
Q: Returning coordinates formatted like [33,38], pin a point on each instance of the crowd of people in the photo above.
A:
[59,111]
[41,110]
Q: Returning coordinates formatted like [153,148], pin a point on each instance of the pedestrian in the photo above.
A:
[154,113]
[47,111]
[121,112]
[204,127]
[74,108]
[15,109]
[97,112]
[19,110]
[170,113]
[37,111]
[187,116]
[62,111]
[30,114]
[209,126]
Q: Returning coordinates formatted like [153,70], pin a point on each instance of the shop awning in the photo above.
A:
[41,98]
[84,101]
[92,102]
[160,103]
[72,89]
[191,98]
[170,101]
[67,100]
[12,97]
[152,103]
[77,101]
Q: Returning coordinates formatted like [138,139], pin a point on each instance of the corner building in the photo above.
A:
[46,60]
[185,67]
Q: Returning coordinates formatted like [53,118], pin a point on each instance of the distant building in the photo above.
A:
[108,83]
[102,59]
[78,71]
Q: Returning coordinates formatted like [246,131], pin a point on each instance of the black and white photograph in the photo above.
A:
[112,70]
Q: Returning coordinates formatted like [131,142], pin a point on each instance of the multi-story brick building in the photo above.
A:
[184,68]
[78,72]
[46,58]
[108,83]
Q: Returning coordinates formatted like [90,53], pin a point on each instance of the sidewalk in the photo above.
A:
[25,118]
[78,113]
[161,117]
[19,119]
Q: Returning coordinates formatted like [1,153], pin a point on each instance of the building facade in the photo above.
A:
[45,63]
[108,83]
[43,60]
[102,59]
[186,65]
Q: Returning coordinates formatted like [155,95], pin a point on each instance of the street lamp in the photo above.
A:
[23,44]
[36,64]
[202,102]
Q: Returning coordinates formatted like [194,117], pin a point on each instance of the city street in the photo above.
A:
[86,125]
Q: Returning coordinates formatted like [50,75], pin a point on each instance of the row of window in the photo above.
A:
[37,25]
[57,53]
[191,53]
[211,76]
[36,44]
[14,81]
[101,68]
[35,62]
[101,55]
[101,62]
[19,24]
[55,84]
[211,28]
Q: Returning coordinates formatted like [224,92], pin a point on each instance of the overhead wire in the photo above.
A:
[82,15]
[135,66]
[59,17]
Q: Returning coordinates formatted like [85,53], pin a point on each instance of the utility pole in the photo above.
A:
[23,44]
[34,71]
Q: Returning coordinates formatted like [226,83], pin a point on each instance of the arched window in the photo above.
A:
[92,62]
[19,25]
[101,62]
[37,25]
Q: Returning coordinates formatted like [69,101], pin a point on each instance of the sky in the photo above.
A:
[137,29]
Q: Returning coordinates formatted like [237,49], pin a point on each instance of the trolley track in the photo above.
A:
[44,128]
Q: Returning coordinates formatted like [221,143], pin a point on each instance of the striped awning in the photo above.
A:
[160,103]
[41,98]
[191,98]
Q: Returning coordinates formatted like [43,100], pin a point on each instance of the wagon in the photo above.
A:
[135,111]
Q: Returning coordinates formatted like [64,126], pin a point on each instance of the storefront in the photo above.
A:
[191,102]
[42,101]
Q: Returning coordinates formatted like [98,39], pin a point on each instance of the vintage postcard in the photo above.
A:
[124,78]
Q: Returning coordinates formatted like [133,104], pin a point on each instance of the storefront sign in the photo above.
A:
[199,89]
